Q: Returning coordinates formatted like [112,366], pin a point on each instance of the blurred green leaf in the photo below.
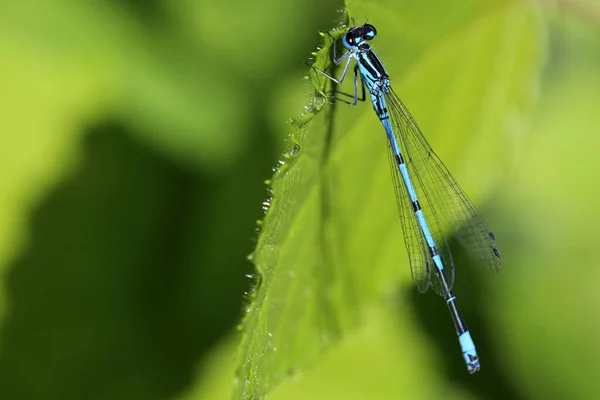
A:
[331,244]
[126,142]
[553,286]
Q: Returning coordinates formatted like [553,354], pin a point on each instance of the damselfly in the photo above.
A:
[431,204]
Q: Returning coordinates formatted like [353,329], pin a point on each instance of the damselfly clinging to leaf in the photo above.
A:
[431,204]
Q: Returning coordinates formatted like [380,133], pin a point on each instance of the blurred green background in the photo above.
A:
[135,139]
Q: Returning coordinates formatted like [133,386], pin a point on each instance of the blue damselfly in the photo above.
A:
[431,204]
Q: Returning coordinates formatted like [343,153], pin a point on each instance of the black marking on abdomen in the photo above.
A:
[433,251]
[458,320]
[496,252]
[416,205]
[399,159]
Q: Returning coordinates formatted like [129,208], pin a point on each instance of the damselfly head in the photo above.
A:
[359,34]
[369,32]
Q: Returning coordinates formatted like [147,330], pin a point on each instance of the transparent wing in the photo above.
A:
[419,255]
[446,207]
[416,246]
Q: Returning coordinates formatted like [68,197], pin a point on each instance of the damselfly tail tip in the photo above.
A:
[469,352]
[472,363]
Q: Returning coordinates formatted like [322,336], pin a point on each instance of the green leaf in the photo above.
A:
[331,245]
[558,180]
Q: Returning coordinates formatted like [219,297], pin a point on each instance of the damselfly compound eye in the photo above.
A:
[349,38]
